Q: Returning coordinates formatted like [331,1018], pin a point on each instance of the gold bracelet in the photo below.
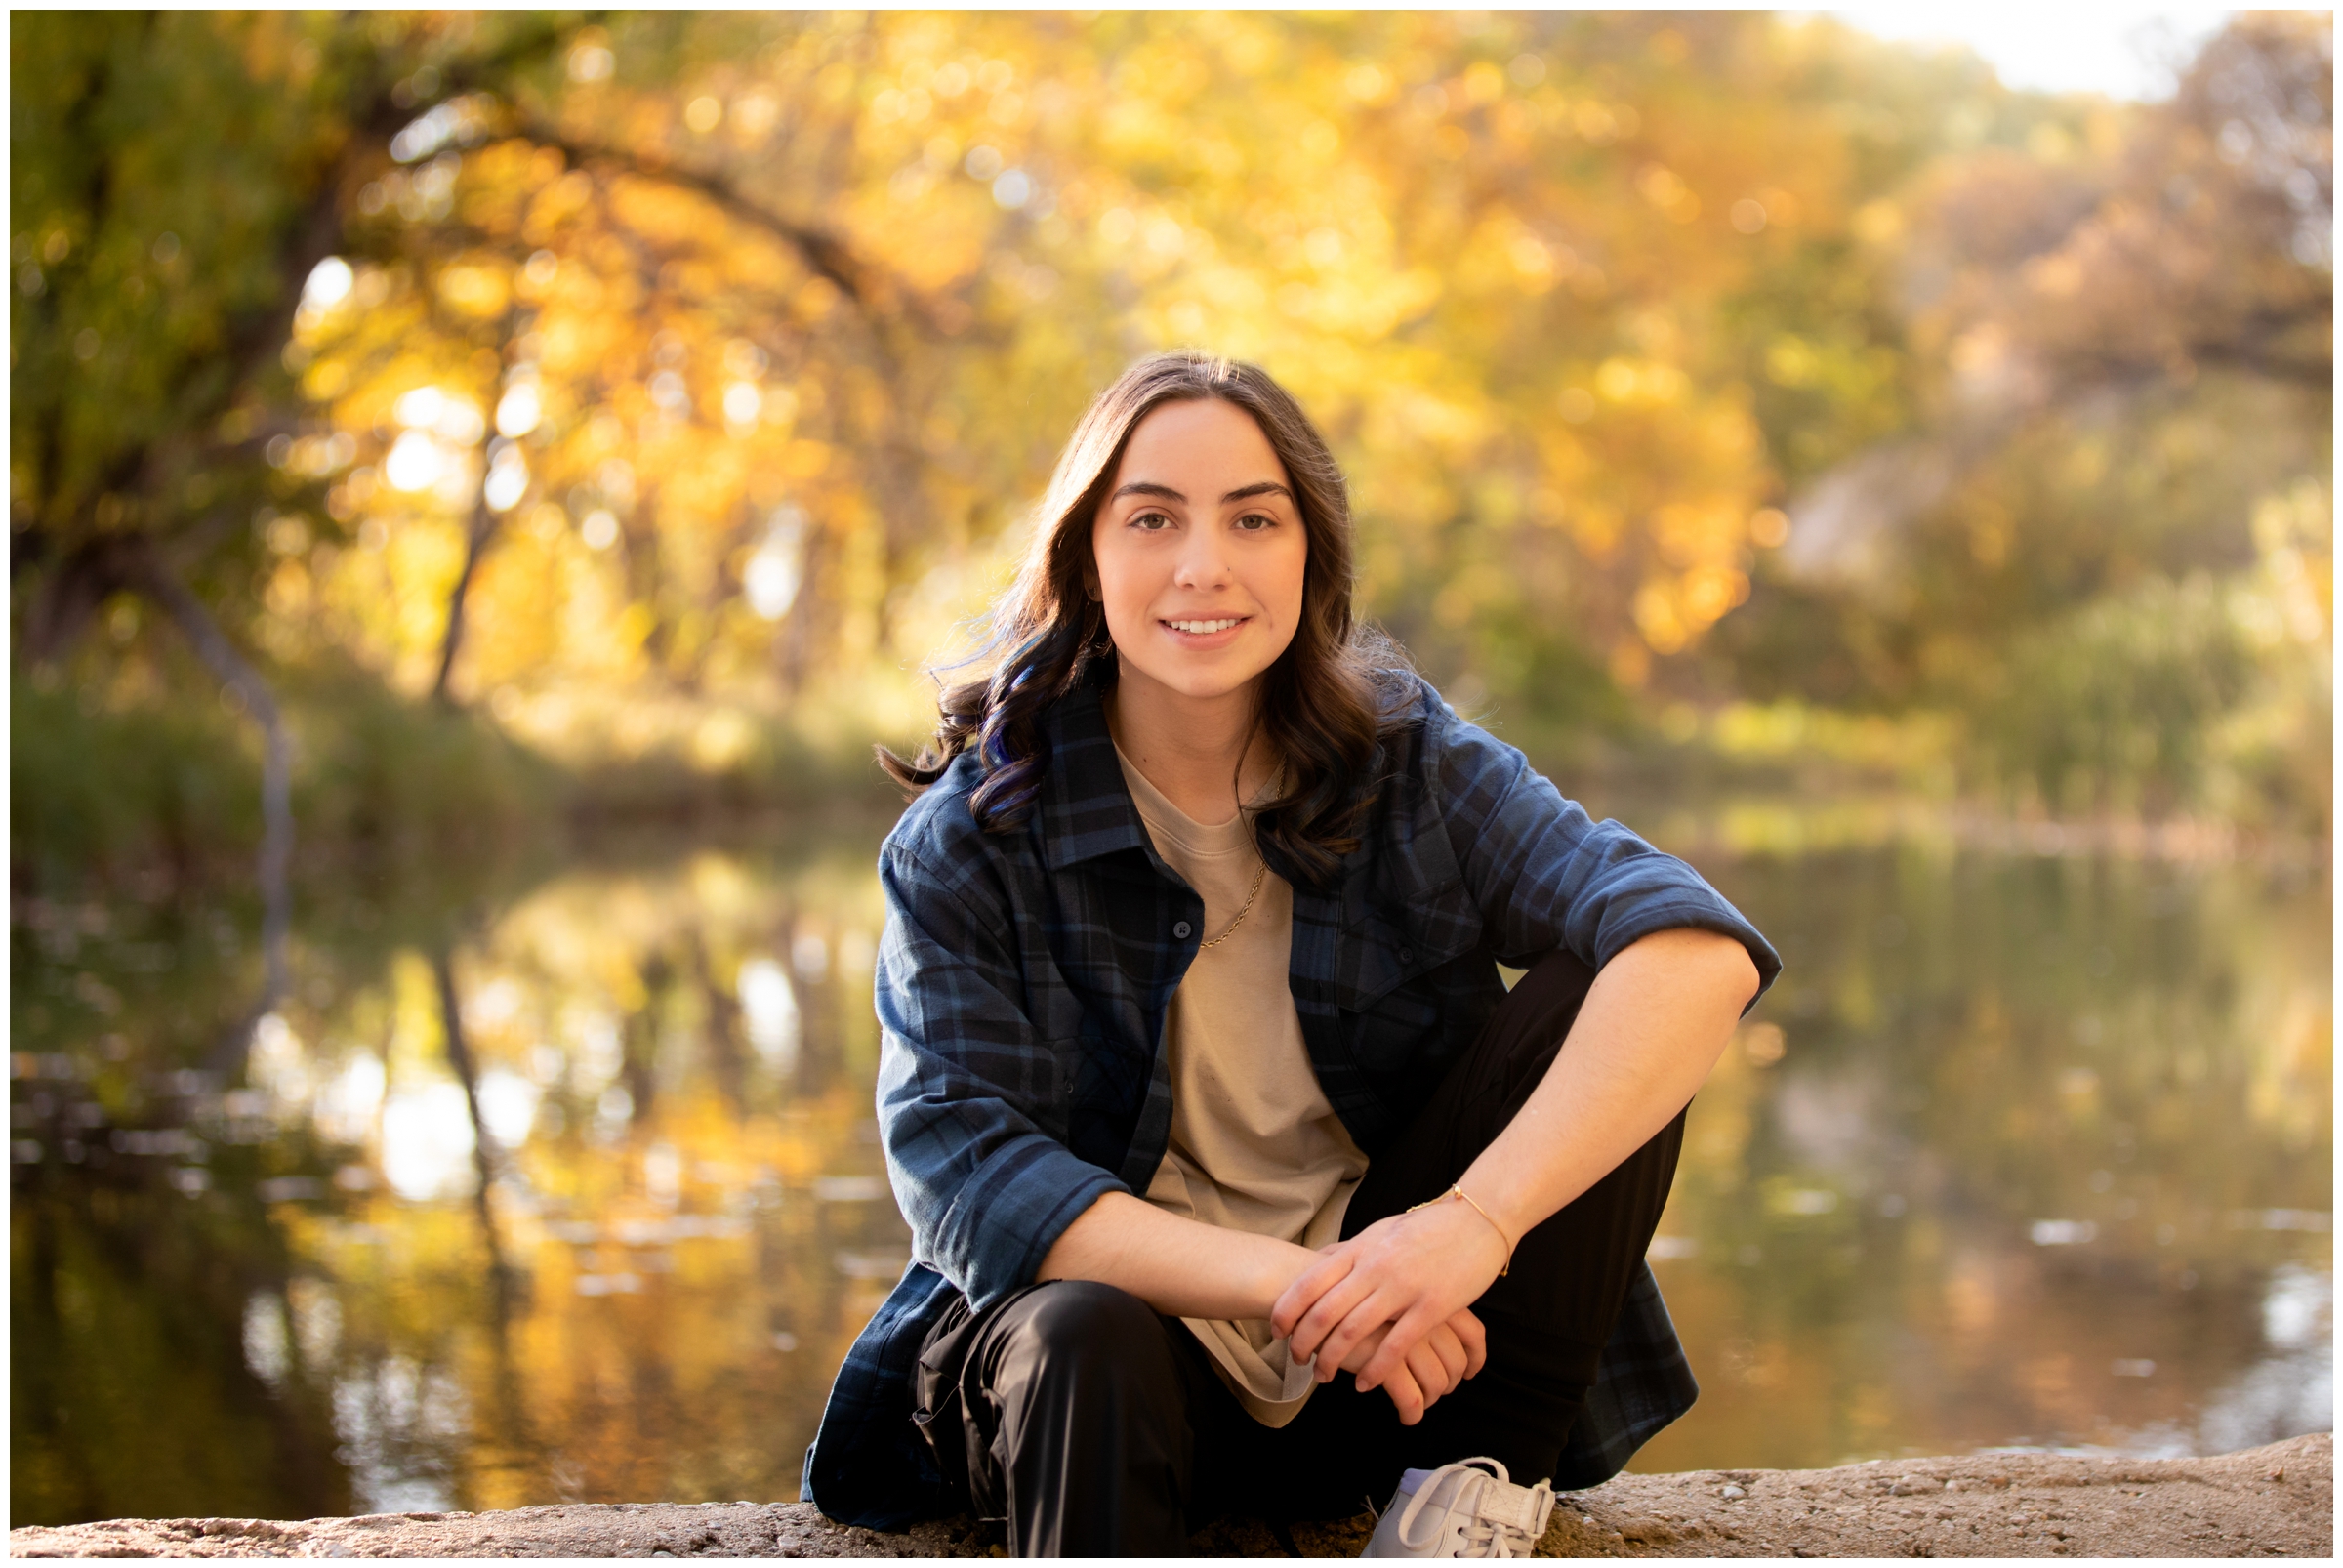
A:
[1460,1192]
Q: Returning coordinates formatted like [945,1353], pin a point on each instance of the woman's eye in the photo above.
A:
[1256,521]
[1151,522]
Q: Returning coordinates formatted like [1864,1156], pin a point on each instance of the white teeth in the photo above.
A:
[1200,627]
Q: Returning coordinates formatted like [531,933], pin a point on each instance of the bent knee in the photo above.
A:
[1080,1322]
[1083,1311]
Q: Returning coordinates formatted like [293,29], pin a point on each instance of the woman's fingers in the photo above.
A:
[1331,1328]
[1370,1310]
[1476,1339]
[1405,1396]
[1408,1327]
[1359,1353]
[1333,1313]
[1430,1371]
[1439,1361]
[1444,1344]
[1305,1292]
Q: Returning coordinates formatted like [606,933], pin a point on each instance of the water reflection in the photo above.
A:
[2028,1151]
[580,1201]
[581,1198]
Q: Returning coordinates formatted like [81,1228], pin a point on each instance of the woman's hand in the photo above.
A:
[1442,1360]
[1394,1283]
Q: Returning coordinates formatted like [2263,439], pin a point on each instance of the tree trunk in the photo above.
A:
[144,573]
[451,640]
[483,1156]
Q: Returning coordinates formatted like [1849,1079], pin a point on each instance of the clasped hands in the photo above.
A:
[1393,1304]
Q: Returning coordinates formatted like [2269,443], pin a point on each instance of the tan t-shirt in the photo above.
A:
[1255,1146]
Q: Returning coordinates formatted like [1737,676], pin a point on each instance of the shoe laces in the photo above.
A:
[1487,1531]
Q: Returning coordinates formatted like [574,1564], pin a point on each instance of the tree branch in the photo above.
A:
[824,255]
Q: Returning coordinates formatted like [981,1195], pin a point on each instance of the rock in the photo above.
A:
[2266,1501]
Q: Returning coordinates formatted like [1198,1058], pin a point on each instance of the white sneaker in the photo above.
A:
[1459,1512]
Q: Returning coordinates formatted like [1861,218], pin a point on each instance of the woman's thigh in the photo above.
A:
[1083,1416]
[1068,1409]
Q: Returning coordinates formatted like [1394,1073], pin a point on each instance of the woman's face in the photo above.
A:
[1200,552]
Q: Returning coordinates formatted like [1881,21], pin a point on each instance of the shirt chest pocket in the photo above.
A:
[1103,1080]
[1385,981]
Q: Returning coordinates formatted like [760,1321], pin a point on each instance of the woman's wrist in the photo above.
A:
[1281,1262]
[1502,1204]
[1477,1226]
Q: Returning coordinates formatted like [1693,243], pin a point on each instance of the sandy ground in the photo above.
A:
[2265,1501]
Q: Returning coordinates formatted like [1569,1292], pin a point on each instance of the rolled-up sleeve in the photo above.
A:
[966,1086]
[1545,875]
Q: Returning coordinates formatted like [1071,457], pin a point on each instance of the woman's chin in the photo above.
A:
[1194,677]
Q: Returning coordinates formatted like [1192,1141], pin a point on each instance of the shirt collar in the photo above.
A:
[1085,810]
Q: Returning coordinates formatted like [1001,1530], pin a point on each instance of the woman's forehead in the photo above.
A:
[1199,439]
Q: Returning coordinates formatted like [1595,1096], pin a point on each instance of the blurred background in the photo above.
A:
[479,484]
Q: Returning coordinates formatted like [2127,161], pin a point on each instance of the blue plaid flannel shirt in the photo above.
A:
[1023,983]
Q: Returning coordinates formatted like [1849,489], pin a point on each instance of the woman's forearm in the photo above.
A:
[1652,1026]
[1181,1267]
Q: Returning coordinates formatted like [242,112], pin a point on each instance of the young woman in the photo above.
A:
[1237,1179]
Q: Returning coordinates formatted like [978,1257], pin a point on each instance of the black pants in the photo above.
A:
[1095,1426]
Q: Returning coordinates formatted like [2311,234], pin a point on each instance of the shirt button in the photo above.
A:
[1180,930]
[1407,955]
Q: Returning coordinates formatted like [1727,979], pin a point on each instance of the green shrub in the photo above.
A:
[2113,705]
[100,792]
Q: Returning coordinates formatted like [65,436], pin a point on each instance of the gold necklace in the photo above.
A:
[1258,877]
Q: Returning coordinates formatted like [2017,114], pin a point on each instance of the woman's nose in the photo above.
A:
[1201,563]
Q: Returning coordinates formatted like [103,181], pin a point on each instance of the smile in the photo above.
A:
[1204,628]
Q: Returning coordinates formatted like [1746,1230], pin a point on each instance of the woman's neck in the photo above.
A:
[1203,753]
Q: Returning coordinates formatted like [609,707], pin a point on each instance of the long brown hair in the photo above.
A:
[1321,705]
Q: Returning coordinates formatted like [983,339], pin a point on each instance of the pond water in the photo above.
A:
[2030,1147]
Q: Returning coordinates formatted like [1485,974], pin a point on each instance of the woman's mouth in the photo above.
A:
[1204,628]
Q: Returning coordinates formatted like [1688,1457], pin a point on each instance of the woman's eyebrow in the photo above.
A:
[1165,492]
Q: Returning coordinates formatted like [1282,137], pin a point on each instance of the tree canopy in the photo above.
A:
[606,368]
